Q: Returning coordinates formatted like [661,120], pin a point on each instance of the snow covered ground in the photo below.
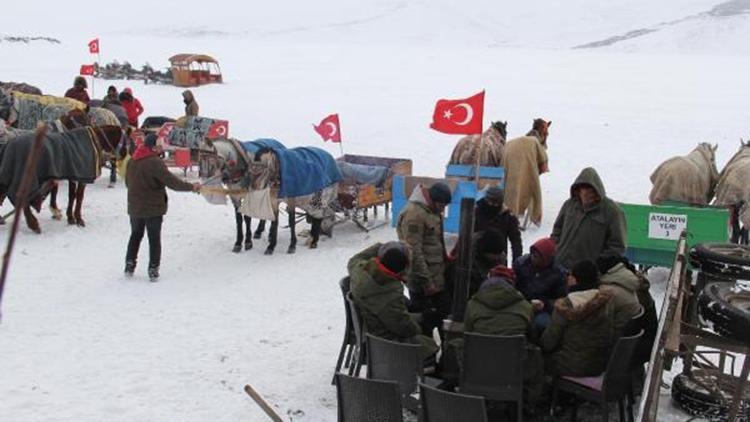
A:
[80,342]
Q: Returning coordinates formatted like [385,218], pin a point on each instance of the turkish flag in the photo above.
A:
[329,129]
[220,129]
[94,46]
[87,69]
[459,116]
[165,129]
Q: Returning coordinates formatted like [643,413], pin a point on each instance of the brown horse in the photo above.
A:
[493,142]
[540,129]
[103,140]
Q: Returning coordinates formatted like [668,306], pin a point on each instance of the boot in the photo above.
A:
[129,268]
[153,274]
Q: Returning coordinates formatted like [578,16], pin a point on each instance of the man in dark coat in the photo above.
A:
[78,92]
[589,224]
[378,292]
[146,179]
[541,280]
[578,340]
[492,215]
[420,226]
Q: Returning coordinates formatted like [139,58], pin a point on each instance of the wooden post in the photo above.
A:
[465,259]
[262,403]
[21,201]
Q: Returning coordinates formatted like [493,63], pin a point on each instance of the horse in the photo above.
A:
[266,173]
[540,129]
[492,144]
[733,191]
[95,140]
[688,179]
[227,159]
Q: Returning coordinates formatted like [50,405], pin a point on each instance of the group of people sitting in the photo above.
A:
[571,295]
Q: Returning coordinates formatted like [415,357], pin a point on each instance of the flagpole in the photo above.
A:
[341,145]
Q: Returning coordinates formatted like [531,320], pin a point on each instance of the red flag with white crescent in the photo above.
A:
[459,116]
[94,46]
[329,129]
[87,69]
[220,129]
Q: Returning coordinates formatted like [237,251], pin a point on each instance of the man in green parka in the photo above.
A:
[589,224]
[378,293]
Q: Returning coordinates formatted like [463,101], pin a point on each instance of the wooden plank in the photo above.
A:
[262,403]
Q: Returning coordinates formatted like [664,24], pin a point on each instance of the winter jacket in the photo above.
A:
[78,93]
[111,99]
[146,178]
[579,338]
[382,304]
[134,109]
[422,229]
[191,106]
[586,234]
[498,309]
[546,285]
[502,222]
[480,266]
[622,285]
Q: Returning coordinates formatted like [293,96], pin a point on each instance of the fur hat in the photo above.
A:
[394,256]
[586,274]
[440,193]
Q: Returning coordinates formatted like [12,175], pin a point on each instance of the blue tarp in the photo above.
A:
[362,174]
[304,170]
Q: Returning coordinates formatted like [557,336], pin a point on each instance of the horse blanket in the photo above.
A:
[362,174]
[524,160]
[103,117]
[689,179]
[71,155]
[733,186]
[254,146]
[31,109]
[117,110]
[465,151]
[190,132]
[20,87]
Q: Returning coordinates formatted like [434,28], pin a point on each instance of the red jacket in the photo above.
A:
[79,94]
[134,109]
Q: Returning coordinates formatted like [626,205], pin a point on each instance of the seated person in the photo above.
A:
[620,280]
[577,342]
[378,292]
[541,280]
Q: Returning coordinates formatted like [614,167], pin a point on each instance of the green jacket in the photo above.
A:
[422,229]
[498,309]
[382,304]
[578,340]
[146,179]
[620,283]
[586,234]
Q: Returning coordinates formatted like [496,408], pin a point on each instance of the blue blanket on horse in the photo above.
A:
[304,170]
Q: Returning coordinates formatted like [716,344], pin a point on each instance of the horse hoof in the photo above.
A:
[237,248]
[314,245]
[56,213]
[268,251]
[71,221]
[248,246]
[80,223]
[257,235]
[291,250]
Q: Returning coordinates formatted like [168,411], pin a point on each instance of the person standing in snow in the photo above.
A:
[146,178]
[78,91]
[132,106]
[191,106]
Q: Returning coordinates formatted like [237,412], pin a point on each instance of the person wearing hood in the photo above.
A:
[78,91]
[579,338]
[112,97]
[131,105]
[620,281]
[589,223]
[191,106]
[146,178]
[541,280]
[377,289]
[492,215]
[420,226]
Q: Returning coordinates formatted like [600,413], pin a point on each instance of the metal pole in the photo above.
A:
[21,202]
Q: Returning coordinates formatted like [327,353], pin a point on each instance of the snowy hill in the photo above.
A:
[81,343]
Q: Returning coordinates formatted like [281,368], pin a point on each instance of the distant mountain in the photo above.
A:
[26,40]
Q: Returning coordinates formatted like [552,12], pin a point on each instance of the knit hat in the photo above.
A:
[440,193]
[150,140]
[495,194]
[394,256]
[546,248]
[586,274]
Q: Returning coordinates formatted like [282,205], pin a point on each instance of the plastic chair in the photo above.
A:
[395,361]
[444,406]
[614,384]
[493,368]
[363,400]
[358,327]
[350,340]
